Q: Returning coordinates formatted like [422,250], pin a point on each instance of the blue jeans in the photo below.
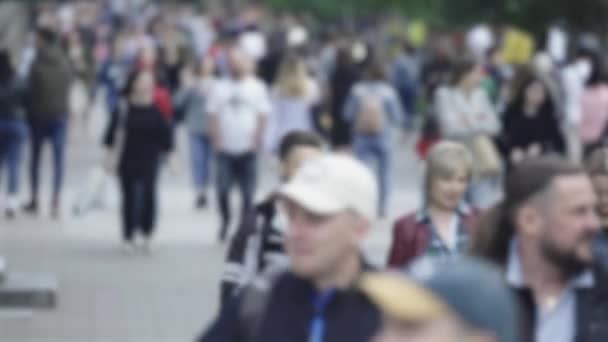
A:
[12,136]
[56,132]
[240,169]
[375,149]
[201,153]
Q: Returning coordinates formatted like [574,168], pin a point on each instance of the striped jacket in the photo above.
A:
[257,245]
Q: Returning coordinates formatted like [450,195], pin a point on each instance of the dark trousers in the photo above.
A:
[55,131]
[138,201]
[231,169]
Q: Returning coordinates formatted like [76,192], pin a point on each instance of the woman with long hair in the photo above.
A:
[140,135]
[294,95]
[530,124]
[13,129]
[197,80]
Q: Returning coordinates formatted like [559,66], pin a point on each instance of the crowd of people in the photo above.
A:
[506,245]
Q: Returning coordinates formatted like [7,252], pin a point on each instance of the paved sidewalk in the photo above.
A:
[106,296]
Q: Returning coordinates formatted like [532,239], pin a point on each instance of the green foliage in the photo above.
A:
[534,15]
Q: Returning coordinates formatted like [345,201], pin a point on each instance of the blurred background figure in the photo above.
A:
[466,114]
[438,303]
[138,135]
[13,131]
[49,83]
[573,79]
[594,109]
[294,95]
[445,223]
[345,75]
[238,108]
[190,101]
[531,126]
[372,109]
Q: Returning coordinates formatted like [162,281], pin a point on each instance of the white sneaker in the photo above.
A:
[146,245]
[129,248]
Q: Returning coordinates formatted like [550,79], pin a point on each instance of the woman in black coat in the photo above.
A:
[140,135]
[530,124]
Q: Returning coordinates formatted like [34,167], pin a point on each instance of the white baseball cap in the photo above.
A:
[333,183]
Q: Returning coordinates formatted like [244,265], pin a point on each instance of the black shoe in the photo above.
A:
[31,208]
[201,202]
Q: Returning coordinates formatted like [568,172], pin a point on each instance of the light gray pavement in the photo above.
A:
[168,296]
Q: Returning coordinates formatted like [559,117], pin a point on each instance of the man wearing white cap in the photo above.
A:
[330,204]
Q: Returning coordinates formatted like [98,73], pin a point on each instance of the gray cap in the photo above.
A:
[475,290]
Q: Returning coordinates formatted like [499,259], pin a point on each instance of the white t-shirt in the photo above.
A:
[238,105]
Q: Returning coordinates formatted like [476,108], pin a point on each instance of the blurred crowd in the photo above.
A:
[510,128]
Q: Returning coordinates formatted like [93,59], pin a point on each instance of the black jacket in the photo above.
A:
[591,315]
[145,134]
[592,304]
[521,131]
[287,316]
[256,244]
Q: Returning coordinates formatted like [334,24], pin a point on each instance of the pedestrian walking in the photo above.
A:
[190,103]
[238,108]
[13,130]
[49,84]
[259,242]
[138,135]
[294,95]
[372,109]
[466,114]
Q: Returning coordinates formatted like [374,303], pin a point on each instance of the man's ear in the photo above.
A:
[528,220]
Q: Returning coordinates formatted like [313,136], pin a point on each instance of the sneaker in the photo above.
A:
[31,208]
[146,245]
[129,248]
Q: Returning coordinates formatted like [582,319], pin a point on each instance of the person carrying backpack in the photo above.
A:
[373,107]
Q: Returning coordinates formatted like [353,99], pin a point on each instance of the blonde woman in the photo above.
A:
[597,167]
[294,95]
[444,223]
